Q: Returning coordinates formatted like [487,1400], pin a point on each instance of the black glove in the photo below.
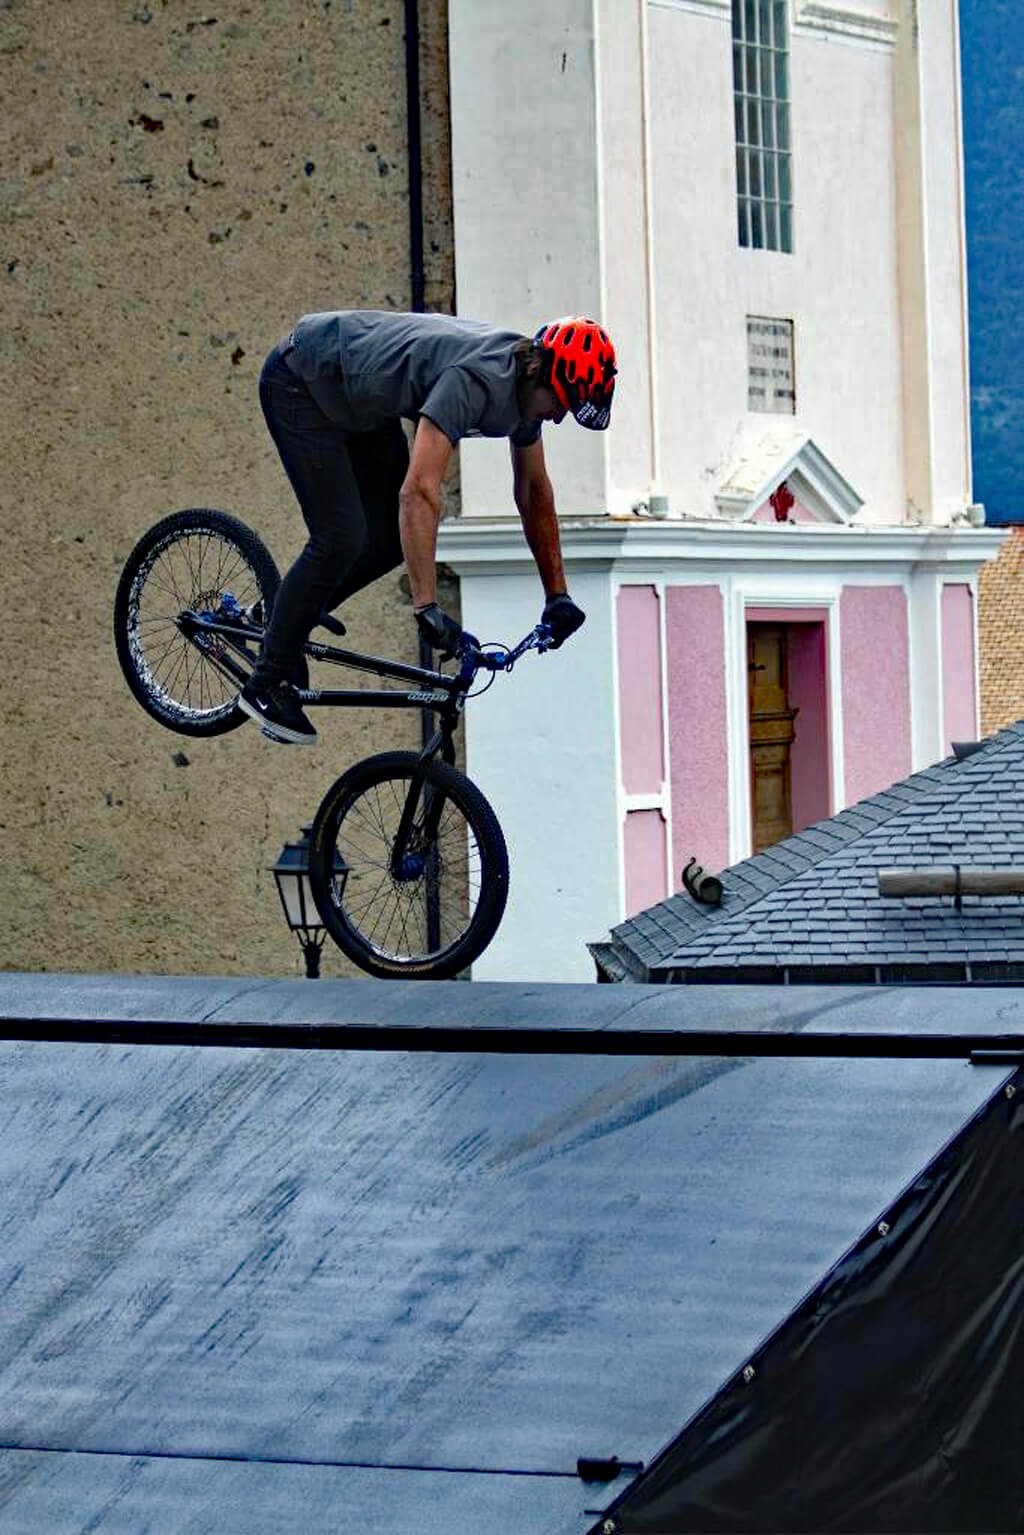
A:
[439,630]
[562,617]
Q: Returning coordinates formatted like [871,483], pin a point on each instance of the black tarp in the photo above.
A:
[891,1399]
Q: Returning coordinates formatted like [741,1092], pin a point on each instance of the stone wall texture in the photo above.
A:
[1001,635]
[177,186]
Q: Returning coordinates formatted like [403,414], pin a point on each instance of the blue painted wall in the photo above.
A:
[992,49]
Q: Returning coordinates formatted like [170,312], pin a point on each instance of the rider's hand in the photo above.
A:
[562,617]
[439,630]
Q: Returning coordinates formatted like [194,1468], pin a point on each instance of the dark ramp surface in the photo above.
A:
[217,1263]
[912,1010]
[138,1496]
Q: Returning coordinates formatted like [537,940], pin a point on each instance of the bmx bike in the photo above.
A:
[407,863]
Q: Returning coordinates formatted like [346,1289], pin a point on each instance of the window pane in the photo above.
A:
[768,125]
[750,20]
[754,71]
[737,67]
[744,229]
[741,172]
[782,125]
[756,226]
[786,221]
[785,191]
[770,180]
[780,23]
[781,77]
[753,123]
[754,170]
[765,22]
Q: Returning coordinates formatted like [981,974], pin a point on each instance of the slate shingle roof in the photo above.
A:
[808,909]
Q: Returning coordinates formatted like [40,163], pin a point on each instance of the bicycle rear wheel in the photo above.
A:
[206,562]
[438,911]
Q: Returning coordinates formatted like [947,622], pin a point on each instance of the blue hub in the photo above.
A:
[410,868]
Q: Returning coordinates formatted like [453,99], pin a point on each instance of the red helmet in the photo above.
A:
[582,368]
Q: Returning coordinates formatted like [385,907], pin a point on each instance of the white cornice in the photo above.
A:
[823,17]
[492,546]
[813,16]
[845,21]
[720,10]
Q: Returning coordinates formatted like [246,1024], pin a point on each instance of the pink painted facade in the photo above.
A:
[675,662]
[640,717]
[959,684]
[698,740]
[875,666]
[644,849]
[811,757]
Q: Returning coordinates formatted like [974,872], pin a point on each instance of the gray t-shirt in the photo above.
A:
[365,367]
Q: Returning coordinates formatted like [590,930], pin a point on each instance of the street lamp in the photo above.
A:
[291,871]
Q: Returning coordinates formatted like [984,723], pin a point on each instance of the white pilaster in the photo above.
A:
[932,268]
[525,194]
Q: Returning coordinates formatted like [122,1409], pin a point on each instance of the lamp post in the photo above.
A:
[291,871]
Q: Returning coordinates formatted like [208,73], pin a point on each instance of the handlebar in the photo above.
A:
[499,658]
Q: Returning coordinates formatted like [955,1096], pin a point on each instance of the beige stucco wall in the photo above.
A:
[175,190]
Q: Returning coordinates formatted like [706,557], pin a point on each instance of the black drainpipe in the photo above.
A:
[412,111]
[415,143]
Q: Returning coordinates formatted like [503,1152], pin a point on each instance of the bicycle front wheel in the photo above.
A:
[201,561]
[426,910]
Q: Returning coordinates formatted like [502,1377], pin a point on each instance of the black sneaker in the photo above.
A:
[278,710]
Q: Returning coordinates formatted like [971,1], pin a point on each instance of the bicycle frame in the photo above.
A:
[437,691]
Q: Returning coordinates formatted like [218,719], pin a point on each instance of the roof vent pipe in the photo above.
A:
[705,888]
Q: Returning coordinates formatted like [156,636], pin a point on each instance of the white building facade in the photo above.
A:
[763,202]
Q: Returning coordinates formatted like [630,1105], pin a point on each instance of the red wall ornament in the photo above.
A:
[781,501]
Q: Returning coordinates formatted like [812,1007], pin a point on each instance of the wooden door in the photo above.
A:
[771,734]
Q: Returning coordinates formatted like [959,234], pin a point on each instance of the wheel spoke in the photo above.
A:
[389,914]
[191,569]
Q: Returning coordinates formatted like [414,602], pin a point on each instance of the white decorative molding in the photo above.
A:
[846,21]
[496,546]
[786,453]
[719,10]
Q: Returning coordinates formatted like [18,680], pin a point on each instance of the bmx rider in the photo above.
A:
[334,394]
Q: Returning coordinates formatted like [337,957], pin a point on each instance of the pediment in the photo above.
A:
[785,454]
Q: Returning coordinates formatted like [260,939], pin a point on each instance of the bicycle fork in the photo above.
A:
[409,861]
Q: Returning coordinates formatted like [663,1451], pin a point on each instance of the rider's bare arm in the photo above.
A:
[419,509]
[535,501]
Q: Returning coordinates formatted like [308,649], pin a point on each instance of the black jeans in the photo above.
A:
[347,485]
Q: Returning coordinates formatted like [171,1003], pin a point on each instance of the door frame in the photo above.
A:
[753,606]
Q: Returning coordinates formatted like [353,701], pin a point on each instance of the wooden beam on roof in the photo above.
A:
[955,880]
